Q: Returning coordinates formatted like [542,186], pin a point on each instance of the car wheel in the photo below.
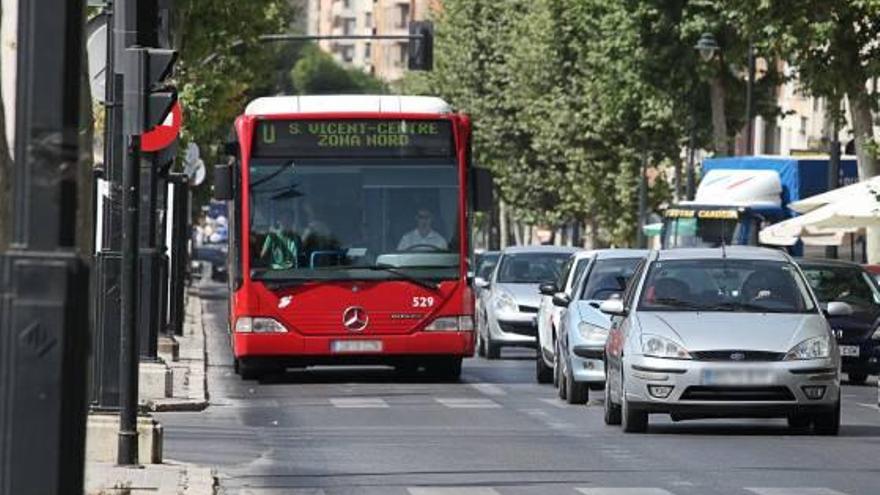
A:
[575,393]
[857,378]
[612,410]
[481,344]
[555,367]
[543,373]
[632,420]
[493,350]
[561,386]
[828,424]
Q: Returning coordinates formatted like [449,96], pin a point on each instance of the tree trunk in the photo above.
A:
[719,117]
[503,225]
[862,122]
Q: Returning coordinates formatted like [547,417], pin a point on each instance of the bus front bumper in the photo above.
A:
[321,348]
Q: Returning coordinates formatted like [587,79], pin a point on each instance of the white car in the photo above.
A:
[510,298]
[549,313]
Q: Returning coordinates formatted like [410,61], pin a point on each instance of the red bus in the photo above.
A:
[349,222]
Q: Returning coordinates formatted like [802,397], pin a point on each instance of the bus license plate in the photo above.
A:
[356,346]
[849,350]
[737,377]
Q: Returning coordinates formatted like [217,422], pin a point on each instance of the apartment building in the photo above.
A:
[387,59]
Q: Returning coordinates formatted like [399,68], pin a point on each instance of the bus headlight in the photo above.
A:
[247,324]
[463,323]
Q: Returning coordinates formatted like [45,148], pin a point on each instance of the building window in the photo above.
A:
[348,26]
[368,19]
[401,55]
[348,53]
[804,121]
[367,51]
[346,4]
[403,20]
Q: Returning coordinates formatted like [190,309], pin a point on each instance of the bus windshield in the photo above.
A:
[699,232]
[333,216]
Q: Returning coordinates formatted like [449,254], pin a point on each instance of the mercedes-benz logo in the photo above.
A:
[355,318]
[737,356]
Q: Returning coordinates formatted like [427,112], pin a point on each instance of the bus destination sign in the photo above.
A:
[714,214]
[367,138]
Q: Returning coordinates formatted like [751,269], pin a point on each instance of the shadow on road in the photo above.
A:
[753,429]
[362,375]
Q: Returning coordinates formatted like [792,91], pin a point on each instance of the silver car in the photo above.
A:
[729,332]
[583,329]
[510,298]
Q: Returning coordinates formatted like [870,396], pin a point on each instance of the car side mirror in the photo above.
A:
[548,289]
[223,189]
[837,308]
[613,307]
[561,299]
[481,283]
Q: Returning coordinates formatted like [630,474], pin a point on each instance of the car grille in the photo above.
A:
[518,328]
[528,309]
[734,355]
[735,394]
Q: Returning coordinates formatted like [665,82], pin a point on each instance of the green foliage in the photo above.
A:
[317,73]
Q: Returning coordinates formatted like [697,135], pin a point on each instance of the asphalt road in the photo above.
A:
[363,431]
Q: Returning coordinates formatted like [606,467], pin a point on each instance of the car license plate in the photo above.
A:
[849,350]
[356,346]
[726,377]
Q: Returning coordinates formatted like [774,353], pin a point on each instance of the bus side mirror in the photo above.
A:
[223,190]
[481,189]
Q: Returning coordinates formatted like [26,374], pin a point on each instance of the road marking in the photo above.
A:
[452,490]
[869,406]
[462,403]
[359,403]
[794,491]
[488,389]
[623,491]
[555,403]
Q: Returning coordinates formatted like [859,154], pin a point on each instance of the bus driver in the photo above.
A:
[423,234]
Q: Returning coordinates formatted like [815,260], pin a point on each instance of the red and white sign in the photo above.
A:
[165,133]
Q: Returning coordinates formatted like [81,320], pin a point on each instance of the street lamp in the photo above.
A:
[707,47]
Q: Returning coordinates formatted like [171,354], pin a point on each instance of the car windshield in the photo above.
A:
[333,215]
[847,284]
[485,264]
[736,285]
[608,277]
[531,268]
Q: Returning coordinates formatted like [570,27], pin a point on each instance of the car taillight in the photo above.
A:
[247,324]
[463,323]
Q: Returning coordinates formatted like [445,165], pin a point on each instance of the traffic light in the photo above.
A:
[148,96]
[421,45]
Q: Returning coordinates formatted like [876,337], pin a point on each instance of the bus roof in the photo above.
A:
[274,105]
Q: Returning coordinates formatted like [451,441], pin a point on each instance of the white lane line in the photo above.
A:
[623,491]
[488,389]
[359,403]
[555,403]
[451,490]
[795,490]
[465,403]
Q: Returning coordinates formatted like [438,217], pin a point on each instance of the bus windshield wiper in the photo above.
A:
[406,276]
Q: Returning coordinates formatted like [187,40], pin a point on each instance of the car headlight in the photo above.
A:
[812,348]
[592,332]
[247,324]
[505,302]
[464,323]
[661,347]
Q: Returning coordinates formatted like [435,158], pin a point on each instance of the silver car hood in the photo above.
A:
[523,294]
[590,314]
[704,331]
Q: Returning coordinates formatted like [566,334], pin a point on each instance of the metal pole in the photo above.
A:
[43,279]
[749,101]
[692,144]
[833,171]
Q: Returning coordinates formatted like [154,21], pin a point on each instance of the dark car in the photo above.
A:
[857,334]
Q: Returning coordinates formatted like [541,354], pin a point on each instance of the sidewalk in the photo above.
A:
[159,479]
[189,394]
[190,382]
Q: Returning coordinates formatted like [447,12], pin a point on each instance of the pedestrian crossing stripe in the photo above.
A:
[452,490]
[359,403]
[467,403]
[623,491]
[794,491]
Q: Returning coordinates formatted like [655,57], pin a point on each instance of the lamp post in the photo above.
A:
[706,47]
[750,100]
